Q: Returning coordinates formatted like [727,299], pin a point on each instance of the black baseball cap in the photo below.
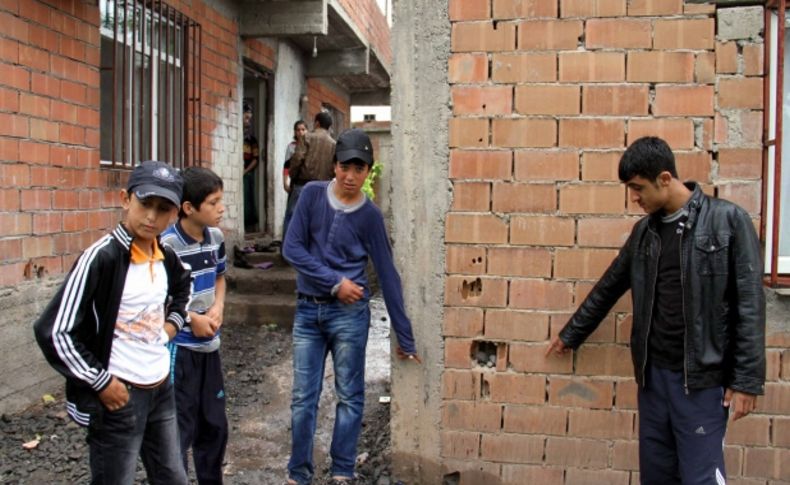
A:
[152,178]
[354,143]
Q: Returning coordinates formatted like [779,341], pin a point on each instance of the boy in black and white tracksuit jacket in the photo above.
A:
[106,331]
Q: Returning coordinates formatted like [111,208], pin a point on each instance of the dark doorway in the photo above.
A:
[256,97]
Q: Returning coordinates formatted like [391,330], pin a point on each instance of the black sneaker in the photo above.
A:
[238,253]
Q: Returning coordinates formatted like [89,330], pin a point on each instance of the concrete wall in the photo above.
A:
[545,97]
[289,86]
[419,176]
[25,375]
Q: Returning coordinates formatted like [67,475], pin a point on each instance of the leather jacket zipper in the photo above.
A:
[682,232]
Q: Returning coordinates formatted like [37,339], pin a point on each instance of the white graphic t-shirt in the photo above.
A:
[139,354]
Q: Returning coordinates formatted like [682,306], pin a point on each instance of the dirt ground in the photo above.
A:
[257,364]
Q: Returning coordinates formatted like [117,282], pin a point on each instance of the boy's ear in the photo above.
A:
[664,178]
[125,198]
[187,207]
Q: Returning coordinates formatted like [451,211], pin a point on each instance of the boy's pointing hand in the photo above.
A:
[404,356]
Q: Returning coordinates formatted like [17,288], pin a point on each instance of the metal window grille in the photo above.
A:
[774,230]
[150,84]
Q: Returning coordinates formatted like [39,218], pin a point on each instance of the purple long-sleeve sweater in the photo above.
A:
[327,241]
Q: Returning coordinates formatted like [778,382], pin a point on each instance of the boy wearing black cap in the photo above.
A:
[106,329]
[333,232]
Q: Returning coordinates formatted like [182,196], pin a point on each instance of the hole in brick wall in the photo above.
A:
[479,259]
[495,24]
[33,270]
[471,288]
[484,353]
[485,389]
[484,106]
[453,478]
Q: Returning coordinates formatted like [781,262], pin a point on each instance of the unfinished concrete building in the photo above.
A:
[91,87]
[509,117]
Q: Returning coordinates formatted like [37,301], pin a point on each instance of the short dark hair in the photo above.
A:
[324,119]
[647,157]
[199,183]
[299,122]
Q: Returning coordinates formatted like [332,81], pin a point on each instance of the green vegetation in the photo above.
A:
[375,171]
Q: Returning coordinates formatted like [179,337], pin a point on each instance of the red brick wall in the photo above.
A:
[260,53]
[369,18]
[546,94]
[55,199]
[319,93]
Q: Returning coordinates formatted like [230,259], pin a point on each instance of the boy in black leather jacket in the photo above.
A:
[698,339]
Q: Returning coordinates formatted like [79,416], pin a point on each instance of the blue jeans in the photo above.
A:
[681,436]
[320,328]
[145,426]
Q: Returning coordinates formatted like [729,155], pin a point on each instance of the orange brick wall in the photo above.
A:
[546,95]
[260,52]
[369,18]
[55,199]
[319,93]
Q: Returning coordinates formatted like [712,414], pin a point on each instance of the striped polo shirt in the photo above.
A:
[206,261]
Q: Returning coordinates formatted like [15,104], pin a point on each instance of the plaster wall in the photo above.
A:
[289,86]
[420,109]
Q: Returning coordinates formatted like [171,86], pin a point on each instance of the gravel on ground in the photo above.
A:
[257,364]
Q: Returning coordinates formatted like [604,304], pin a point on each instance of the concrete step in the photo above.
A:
[279,279]
[247,309]
[273,257]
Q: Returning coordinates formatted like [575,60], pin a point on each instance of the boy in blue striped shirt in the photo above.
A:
[196,366]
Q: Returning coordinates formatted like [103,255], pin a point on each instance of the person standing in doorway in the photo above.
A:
[300,130]
[698,338]
[334,230]
[251,161]
[312,158]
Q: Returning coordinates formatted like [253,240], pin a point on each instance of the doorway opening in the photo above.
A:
[257,191]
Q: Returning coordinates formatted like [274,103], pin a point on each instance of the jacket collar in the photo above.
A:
[123,236]
[694,203]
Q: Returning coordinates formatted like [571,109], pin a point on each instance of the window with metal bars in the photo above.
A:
[775,228]
[150,84]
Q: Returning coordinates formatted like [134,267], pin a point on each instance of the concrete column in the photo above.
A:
[421,199]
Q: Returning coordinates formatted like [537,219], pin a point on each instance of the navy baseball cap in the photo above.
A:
[354,143]
[152,178]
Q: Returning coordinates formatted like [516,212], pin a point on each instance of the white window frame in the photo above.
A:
[783,258]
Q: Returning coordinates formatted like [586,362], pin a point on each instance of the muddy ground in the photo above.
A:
[257,364]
